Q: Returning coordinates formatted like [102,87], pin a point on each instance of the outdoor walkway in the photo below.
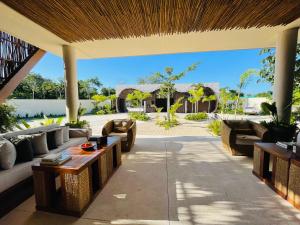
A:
[175,180]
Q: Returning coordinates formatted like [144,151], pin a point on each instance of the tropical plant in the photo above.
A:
[137,97]
[267,95]
[33,82]
[88,87]
[158,111]
[244,80]
[196,116]
[97,100]
[280,130]
[215,127]
[49,121]
[79,123]
[139,116]
[175,107]
[60,88]
[35,86]
[267,71]
[108,109]
[7,118]
[152,79]
[107,91]
[48,88]
[208,99]
[113,100]
[168,123]
[168,82]
[272,110]
[80,112]
[195,95]
[25,124]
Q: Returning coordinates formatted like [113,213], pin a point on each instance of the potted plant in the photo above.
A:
[79,123]
[279,131]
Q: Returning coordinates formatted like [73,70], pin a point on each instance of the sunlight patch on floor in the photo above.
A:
[217,213]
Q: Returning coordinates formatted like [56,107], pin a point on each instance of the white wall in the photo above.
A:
[254,102]
[33,107]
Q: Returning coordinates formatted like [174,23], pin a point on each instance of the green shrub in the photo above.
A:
[215,127]
[168,124]
[139,116]
[100,112]
[78,124]
[196,116]
[49,121]
[7,118]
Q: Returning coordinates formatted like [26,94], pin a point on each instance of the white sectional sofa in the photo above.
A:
[16,183]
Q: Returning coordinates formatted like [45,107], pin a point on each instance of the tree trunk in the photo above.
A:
[168,106]
[142,105]
[236,104]
[208,110]
[32,94]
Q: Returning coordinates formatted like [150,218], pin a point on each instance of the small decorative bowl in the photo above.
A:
[88,148]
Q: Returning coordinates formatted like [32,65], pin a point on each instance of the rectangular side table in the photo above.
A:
[70,188]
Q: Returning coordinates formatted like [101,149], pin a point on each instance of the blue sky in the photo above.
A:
[224,67]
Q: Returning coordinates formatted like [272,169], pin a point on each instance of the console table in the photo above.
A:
[294,183]
[70,188]
[271,164]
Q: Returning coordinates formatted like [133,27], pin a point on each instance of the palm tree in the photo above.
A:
[60,87]
[208,99]
[32,83]
[244,80]
[196,94]
[137,97]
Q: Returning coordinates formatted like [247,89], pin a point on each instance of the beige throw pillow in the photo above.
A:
[8,154]
[39,144]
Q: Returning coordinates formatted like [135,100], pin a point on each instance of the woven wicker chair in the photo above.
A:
[127,133]
[239,136]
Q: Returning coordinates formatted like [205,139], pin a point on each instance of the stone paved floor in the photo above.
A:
[177,180]
[177,176]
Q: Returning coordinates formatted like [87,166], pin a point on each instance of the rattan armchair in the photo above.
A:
[127,133]
[239,136]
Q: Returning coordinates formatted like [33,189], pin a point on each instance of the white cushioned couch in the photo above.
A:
[11,178]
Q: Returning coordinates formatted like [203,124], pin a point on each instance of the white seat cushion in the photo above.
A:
[123,136]
[19,172]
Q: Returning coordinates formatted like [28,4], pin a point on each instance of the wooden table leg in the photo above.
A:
[281,174]
[76,191]
[294,185]
[119,154]
[109,161]
[44,189]
[103,169]
[257,161]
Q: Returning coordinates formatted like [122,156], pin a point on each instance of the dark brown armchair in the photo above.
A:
[239,136]
[125,129]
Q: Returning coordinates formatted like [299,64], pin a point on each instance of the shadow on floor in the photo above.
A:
[184,180]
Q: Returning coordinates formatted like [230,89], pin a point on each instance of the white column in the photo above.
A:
[145,106]
[71,83]
[284,72]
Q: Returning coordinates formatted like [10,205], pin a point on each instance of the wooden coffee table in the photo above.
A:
[71,187]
